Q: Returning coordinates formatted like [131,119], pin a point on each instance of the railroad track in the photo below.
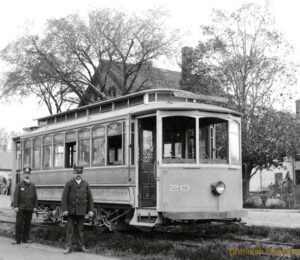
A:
[182,235]
[238,239]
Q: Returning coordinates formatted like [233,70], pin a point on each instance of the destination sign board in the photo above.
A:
[200,97]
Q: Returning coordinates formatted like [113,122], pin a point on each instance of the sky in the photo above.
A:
[187,14]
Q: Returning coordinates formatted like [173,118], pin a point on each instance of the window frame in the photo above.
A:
[39,148]
[62,143]
[198,115]
[92,144]
[51,151]
[84,139]
[27,149]
[122,161]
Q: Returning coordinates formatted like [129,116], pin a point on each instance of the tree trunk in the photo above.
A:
[246,180]
[246,185]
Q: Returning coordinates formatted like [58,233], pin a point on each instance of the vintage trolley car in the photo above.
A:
[153,157]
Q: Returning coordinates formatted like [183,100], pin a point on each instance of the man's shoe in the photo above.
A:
[16,243]
[83,249]
[67,251]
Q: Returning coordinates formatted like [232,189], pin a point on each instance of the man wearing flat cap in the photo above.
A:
[77,201]
[25,202]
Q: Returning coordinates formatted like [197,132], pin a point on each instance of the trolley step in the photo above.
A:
[147,217]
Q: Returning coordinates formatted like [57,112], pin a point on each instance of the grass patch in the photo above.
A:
[137,245]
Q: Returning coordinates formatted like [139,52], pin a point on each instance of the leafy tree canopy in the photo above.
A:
[77,60]
[243,56]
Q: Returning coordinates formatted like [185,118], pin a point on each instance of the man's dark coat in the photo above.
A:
[25,196]
[77,198]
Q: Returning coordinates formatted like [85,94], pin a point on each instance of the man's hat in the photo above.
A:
[27,170]
[78,170]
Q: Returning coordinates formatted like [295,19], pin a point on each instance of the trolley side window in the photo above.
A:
[98,145]
[213,140]
[47,152]
[18,156]
[114,144]
[179,139]
[84,147]
[235,143]
[27,153]
[70,159]
[37,153]
[59,150]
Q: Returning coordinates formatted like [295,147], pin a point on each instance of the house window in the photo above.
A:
[98,145]
[37,153]
[84,147]
[27,153]
[47,152]
[114,144]
[59,150]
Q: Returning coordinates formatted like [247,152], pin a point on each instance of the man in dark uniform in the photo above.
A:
[25,202]
[77,200]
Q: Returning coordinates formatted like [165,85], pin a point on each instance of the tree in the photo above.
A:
[77,61]
[273,136]
[243,56]
[5,138]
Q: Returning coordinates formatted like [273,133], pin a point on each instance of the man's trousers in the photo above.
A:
[23,221]
[75,230]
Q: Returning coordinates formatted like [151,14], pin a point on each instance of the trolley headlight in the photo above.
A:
[218,188]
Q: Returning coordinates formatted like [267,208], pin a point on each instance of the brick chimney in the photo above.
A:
[298,109]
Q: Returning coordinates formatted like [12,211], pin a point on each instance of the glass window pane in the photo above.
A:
[114,146]
[98,155]
[70,136]
[47,157]
[213,140]
[27,143]
[59,152]
[114,129]
[84,134]
[37,142]
[58,138]
[235,143]
[148,146]
[47,140]
[84,152]
[36,158]
[99,131]
[27,157]
[179,139]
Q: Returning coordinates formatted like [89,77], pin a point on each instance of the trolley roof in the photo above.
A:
[134,104]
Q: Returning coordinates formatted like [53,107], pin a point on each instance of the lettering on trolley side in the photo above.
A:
[179,187]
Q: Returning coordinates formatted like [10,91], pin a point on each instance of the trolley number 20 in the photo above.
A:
[177,187]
